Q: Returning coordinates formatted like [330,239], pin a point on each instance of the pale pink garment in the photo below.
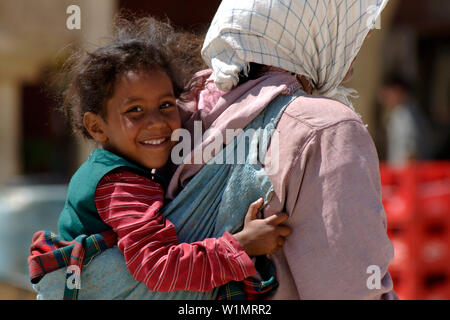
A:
[209,96]
[329,184]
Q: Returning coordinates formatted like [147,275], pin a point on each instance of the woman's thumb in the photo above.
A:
[253,210]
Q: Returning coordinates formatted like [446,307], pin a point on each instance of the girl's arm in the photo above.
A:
[130,204]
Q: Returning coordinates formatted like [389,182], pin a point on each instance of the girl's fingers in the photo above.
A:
[277,218]
[280,243]
[276,249]
[253,210]
[284,231]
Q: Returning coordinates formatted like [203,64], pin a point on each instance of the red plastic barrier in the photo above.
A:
[416,199]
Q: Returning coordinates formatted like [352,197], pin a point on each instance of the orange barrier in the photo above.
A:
[416,199]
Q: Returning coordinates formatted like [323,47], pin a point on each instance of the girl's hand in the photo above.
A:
[262,236]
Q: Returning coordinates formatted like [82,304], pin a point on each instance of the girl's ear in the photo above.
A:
[94,124]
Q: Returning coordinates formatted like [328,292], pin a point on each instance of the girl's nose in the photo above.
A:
[154,119]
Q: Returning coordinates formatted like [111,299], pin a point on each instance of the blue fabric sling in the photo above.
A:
[215,201]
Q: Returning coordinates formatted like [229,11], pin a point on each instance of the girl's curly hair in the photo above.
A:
[138,44]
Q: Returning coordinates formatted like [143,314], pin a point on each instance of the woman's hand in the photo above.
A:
[262,236]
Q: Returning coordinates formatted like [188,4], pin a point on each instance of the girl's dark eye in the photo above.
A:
[166,105]
[135,109]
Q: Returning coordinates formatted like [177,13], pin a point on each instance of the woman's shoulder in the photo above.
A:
[320,112]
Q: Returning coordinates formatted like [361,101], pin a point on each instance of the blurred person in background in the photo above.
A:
[407,128]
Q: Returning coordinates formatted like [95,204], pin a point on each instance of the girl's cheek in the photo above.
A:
[176,121]
[128,123]
[176,125]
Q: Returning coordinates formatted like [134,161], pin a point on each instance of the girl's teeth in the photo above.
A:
[159,141]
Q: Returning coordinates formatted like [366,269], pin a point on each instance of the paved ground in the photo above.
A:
[9,292]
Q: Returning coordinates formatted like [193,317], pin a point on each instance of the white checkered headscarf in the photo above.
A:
[315,38]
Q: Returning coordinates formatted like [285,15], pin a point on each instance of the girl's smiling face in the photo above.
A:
[140,118]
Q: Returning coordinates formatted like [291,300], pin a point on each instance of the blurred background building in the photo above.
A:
[402,75]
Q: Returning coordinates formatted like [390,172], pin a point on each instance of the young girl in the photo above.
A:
[124,97]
